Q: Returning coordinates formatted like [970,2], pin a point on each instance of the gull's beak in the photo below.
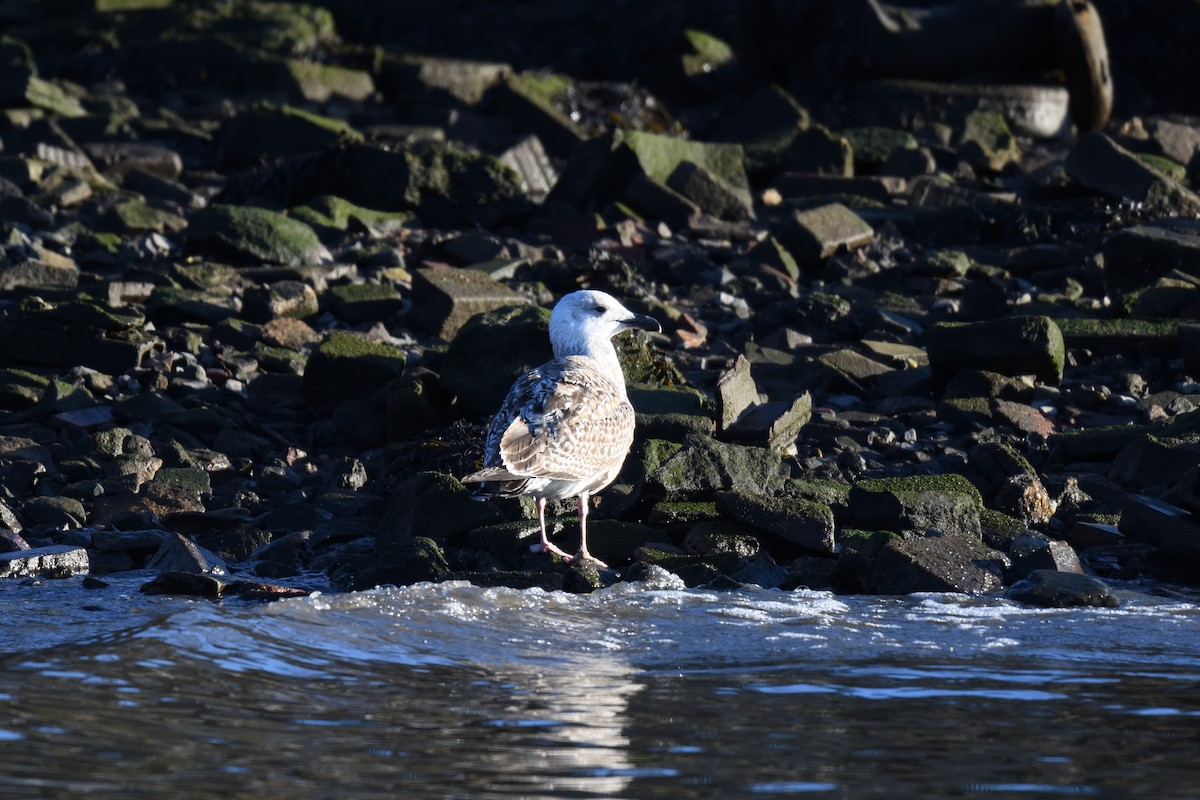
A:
[641,322]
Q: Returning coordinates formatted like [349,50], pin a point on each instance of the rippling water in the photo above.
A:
[452,691]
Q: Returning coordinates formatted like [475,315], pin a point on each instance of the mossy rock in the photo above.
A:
[873,145]
[491,351]
[254,234]
[136,216]
[331,216]
[704,465]
[280,131]
[949,503]
[1011,346]
[346,366]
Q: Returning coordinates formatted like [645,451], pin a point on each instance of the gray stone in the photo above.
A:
[736,393]
[55,561]
[987,143]
[121,158]
[1139,255]
[703,465]
[659,202]
[710,193]
[1172,530]
[946,503]
[1032,551]
[775,424]
[1099,163]
[11,541]
[801,522]
[817,233]
[712,537]
[528,159]
[291,299]
[444,299]
[1010,346]
[1052,589]
[1155,461]
[180,554]
[891,564]
[57,512]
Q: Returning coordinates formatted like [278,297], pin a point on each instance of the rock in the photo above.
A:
[1099,163]
[11,541]
[718,537]
[765,125]
[736,393]
[418,559]
[1137,256]
[600,171]
[704,465]
[280,131]
[815,234]
[444,299]
[1052,589]
[435,506]
[192,584]
[254,234]
[819,151]
[464,80]
[365,302]
[1032,551]
[534,98]
[180,554]
[136,216]
[54,561]
[872,146]
[291,299]
[659,202]
[884,563]
[1150,460]
[946,503]
[1012,484]
[987,143]
[120,159]
[528,159]
[1010,346]
[804,523]
[1173,531]
[346,366]
[332,216]
[709,192]
[774,424]
[58,512]
[1121,335]
[803,185]
[491,351]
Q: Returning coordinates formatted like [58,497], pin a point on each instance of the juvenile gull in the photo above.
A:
[565,428]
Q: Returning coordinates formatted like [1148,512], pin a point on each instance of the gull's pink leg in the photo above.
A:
[583,551]
[544,546]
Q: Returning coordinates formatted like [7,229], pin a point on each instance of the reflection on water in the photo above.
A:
[455,691]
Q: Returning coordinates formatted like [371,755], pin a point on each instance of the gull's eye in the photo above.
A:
[600,309]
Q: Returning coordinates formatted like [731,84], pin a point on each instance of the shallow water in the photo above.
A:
[452,691]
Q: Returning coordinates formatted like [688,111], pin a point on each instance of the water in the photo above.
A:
[452,691]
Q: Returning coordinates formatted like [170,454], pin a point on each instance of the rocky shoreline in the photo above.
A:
[261,287]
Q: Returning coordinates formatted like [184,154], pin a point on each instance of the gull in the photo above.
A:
[565,428]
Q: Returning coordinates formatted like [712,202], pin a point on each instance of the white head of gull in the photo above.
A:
[565,428]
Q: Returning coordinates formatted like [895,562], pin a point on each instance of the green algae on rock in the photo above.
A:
[252,233]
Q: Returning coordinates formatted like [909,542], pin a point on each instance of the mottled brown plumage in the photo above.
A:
[565,427]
